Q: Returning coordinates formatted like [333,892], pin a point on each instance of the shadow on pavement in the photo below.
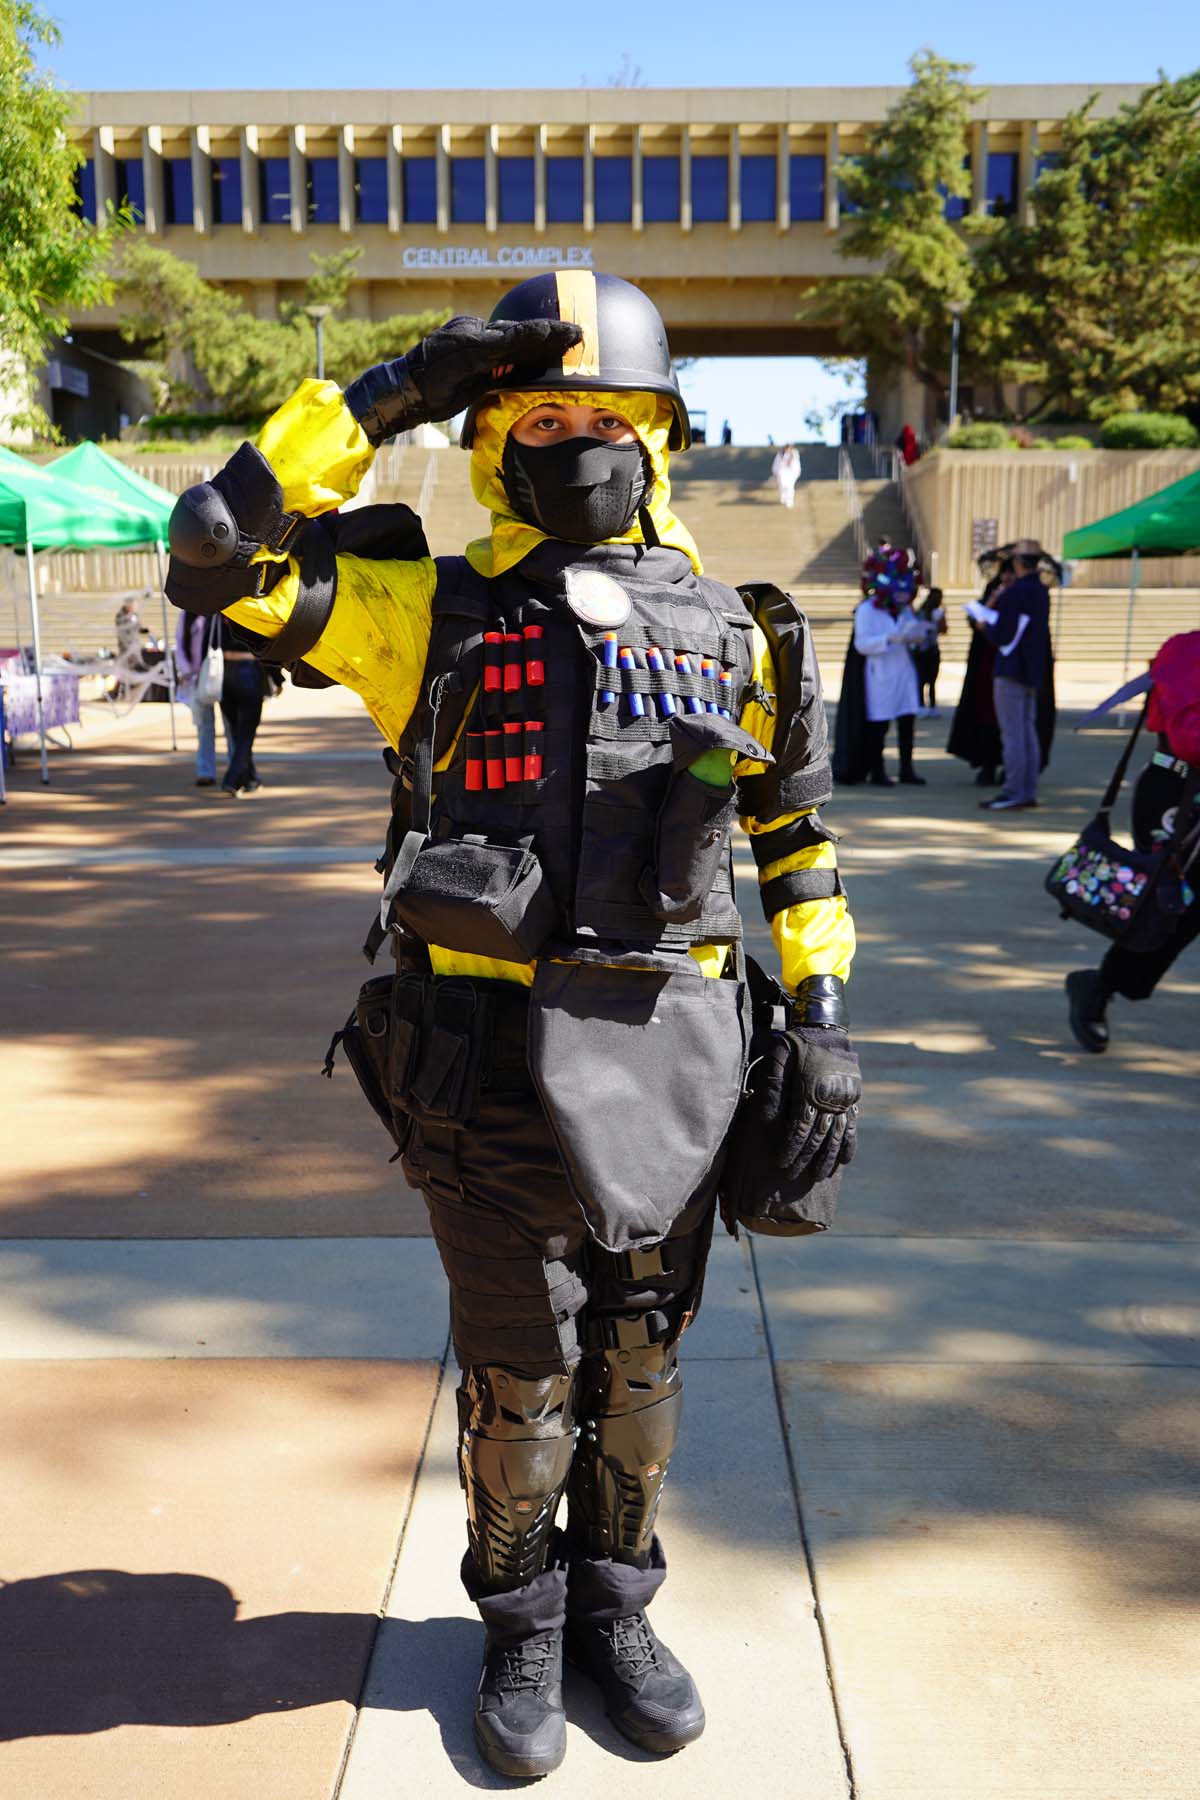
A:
[90,1649]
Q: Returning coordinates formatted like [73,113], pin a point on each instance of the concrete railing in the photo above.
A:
[1041,494]
[849,487]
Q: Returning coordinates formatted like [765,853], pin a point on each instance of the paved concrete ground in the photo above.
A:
[933,1523]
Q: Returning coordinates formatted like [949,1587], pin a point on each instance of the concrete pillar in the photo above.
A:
[201,181]
[395,179]
[735,178]
[266,299]
[152,179]
[783,180]
[979,156]
[298,178]
[248,156]
[833,153]
[345,144]
[637,208]
[1027,170]
[491,179]
[589,178]
[106,174]
[539,178]
[685,180]
[443,178]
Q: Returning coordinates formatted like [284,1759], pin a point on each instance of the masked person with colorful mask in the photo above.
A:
[575,717]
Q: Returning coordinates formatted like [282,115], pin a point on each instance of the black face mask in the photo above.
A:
[580,490]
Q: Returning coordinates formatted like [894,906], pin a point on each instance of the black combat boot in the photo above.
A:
[648,1694]
[520,1726]
[1087,997]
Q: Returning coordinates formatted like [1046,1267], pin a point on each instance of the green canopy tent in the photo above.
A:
[1163,524]
[44,511]
[94,468]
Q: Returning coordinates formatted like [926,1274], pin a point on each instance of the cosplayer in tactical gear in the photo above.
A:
[576,716]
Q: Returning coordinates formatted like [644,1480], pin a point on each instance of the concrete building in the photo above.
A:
[718,201]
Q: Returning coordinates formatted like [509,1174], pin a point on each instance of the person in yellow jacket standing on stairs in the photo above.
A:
[576,715]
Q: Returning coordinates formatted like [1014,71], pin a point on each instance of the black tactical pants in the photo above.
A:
[558,1338]
[1135,974]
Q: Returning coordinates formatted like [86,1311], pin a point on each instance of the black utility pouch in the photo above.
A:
[695,819]
[445,1066]
[489,899]
[365,1040]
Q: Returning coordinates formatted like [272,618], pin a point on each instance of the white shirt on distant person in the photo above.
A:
[786,470]
[890,676]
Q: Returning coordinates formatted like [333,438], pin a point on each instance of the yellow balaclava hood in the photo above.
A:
[512,537]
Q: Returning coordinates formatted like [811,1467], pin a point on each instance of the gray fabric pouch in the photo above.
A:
[639,1073]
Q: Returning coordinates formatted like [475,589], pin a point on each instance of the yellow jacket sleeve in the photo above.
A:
[813,937]
[378,633]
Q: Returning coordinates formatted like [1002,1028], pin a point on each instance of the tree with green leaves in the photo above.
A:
[51,261]
[1173,216]
[206,347]
[1094,302]
[894,215]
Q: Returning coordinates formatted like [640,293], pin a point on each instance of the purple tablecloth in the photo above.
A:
[60,699]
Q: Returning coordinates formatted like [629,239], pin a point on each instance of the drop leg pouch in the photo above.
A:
[639,1072]
[365,1039]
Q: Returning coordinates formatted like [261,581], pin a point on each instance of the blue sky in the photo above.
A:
[479,43]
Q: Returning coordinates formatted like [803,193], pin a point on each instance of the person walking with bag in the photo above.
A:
[191,635]
[1166,812]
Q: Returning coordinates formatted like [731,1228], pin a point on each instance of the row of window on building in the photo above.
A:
[758,178]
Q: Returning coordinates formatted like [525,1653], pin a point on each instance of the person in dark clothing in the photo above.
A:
[1019,627]
[928,657]
[974,732]
[241,709]
[1169,780]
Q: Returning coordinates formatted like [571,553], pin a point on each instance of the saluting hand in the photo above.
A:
[453,366]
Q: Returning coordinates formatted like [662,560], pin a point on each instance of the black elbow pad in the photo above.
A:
[218,526]
[801,777]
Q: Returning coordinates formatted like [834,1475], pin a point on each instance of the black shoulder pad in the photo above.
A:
[801,777]
[384,533]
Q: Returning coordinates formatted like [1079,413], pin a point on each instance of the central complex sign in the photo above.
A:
[502,256]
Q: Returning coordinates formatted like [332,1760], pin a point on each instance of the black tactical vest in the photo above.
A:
[574,690]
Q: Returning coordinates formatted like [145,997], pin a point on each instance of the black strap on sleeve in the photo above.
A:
[314,601]
[804,833]
[802,884]
[422,793]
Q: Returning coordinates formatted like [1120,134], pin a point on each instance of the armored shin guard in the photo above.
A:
[517,1440]
[629,1403]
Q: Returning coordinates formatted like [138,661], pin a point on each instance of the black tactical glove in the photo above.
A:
[810,1086]
[453,366]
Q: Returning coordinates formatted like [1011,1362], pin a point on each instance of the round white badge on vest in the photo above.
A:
[596,598]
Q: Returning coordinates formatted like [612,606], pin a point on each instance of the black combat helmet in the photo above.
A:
[623,349]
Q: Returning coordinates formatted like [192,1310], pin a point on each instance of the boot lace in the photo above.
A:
[634,1644]
[525,1668]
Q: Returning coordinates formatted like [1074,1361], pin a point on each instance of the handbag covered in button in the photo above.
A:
[1132,896]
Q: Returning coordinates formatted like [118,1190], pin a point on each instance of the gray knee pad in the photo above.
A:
[630,1404]
[517,1440]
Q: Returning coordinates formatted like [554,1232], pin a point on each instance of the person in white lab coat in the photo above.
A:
[879,684]
[786,470]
